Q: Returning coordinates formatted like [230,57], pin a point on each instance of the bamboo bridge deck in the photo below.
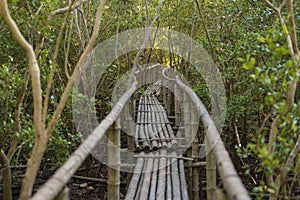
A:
[167,145]
[159,172]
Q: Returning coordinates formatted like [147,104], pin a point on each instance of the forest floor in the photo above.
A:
[79,188]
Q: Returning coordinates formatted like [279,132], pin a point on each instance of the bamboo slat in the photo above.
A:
[132,189]
[169,195]
[154,177]
[161,187]
[184,193]
[147,178]
[175,178]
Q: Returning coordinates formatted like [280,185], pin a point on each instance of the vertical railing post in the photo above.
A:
[187,135]
[176,105]
[130,118]
[195,151]
[210,170]
[114,162]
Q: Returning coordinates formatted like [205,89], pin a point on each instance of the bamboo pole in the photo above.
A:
[154,143]
[151,133]
[161,118]
[155,126]
[142,130]
[175,178]
[147,178]
[188,135]
[139,186]
[210,172]
[63,195]
[184,191]
[132,189]
[176,105]
[195,144]
[136,137]
[54,185]
[231,181]
[130,138]
[161,187]
[152,193]
[114,162]
[169,194]
[169,129]
[159,129]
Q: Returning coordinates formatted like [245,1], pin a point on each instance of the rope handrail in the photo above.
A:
[232,182]
[57,182]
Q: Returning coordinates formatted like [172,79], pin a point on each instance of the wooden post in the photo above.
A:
[114,162]
[195,152]
[130,118]
[168,98]
[130,135]
[176,105]
[210,171]
[187,135]
[164,93]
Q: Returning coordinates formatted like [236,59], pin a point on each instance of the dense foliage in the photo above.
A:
[244,38]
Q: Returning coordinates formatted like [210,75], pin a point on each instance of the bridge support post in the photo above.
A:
[195,151]
[130,117]
[114,162]
[176,105]
[210,171]
[188,139]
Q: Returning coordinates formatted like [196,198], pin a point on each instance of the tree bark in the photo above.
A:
[34,161]
[6,173]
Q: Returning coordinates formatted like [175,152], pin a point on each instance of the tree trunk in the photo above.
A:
[7,192]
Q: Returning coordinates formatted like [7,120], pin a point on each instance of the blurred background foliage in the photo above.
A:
[243,38]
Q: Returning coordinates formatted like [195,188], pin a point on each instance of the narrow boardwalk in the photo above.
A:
[159,172]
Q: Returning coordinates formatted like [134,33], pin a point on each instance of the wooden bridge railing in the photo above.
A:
[57,182]
[216,151]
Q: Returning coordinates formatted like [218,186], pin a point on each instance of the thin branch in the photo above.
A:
[64,10]
[20,99]
[50,18]
[272,6]
[54,63]
[78,31]
[34,68]
[288,164]
[85,24]
[78,66]
[68,48]
[41,136]
[147,13]
[282,4]
[152,44]
[6,172]
[148,31]
[283,26]
[293,28]
[206,31]
[116,46]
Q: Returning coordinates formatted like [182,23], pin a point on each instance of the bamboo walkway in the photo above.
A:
[159,172]
[165,158]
